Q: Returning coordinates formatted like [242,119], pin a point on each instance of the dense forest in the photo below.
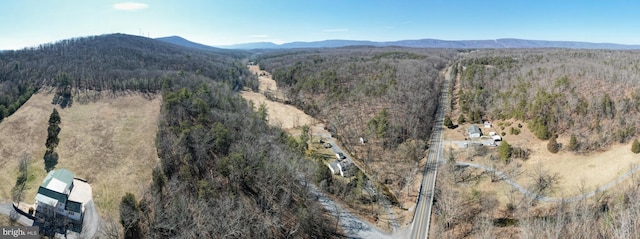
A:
[115,62]
[224,172]
[387,96]
[589,95]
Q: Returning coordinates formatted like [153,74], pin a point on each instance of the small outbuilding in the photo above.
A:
[495,136]
[474,131]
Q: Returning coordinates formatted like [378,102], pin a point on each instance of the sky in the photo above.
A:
[27,23]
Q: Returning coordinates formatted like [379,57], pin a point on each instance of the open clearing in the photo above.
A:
[281,115]
[278,114]
[110,143]
[578,173]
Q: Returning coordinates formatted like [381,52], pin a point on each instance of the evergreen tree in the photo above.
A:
[553,145]
[505,151]
[130,216]
[461,119]
[54,118]
[573,143]
[635,147]
[447,122]
[50,156]
[50,160]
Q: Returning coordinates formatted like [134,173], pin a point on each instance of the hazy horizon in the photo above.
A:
[220,23]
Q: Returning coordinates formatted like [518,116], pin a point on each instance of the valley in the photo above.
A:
[333,141]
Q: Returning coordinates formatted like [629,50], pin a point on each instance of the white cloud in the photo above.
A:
[130,6]
[259,36]
[336,30]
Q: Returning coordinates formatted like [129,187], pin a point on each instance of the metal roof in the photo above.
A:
[474,129]
[55,187]
[58,180]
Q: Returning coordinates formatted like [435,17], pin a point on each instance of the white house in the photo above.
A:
[474,131]
[58,195]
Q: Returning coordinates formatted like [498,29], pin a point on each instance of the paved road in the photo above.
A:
[422,216]
[7,209]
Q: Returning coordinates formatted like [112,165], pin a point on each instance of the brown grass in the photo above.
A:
[578,172]
[6,221]
[278,114]
[109,142]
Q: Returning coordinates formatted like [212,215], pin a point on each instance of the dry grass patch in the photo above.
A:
[578,173]
[110,142]
[279,114]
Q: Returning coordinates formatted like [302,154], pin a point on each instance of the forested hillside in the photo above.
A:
[113,62]
[387,96]
[590,94]
[223,173]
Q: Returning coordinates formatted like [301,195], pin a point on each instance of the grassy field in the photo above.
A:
[578,172]
[109,142]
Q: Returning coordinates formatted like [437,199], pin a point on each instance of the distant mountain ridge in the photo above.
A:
[176,40]
[435,43]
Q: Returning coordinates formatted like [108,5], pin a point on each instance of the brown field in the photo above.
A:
[578,172]
[109,142]
[278,114]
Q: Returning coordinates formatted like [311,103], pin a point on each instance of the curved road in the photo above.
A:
[7,209]
[550,199]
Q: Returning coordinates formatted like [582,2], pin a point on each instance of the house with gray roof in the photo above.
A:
[474,131]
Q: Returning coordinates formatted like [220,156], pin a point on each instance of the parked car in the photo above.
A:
[340,156]
[326,145]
